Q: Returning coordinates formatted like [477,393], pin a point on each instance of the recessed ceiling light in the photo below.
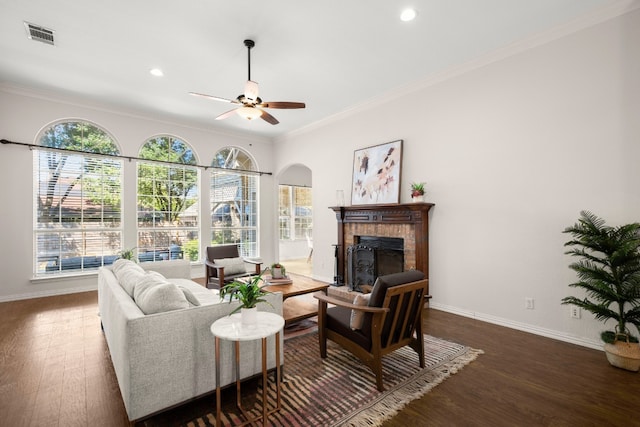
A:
[156,72]
[408,15]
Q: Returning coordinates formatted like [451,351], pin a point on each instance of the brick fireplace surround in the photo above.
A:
[409,221]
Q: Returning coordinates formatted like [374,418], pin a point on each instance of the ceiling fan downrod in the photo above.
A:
[249,44]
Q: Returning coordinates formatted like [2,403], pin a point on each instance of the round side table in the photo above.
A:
[231,328]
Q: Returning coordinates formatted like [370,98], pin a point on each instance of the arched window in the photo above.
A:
[234,201]
[168,213]
[78,203]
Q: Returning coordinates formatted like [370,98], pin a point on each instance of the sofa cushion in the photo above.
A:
[357,317]
[128,273]
[232,265]
[154,294]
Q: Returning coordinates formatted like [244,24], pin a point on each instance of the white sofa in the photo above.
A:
[167,358]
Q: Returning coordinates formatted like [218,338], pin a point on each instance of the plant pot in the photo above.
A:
[276,273]
[624,355]
[417,199]
[249,316]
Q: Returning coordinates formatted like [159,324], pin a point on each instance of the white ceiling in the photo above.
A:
[331,54]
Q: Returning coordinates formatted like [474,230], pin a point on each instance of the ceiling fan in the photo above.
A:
[250,104]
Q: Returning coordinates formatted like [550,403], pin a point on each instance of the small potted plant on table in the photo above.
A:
[249,293]
[278,271]
[609,272]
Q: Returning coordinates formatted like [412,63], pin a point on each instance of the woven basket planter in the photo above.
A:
[623,354]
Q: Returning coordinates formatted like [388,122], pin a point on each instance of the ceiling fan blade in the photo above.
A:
[227,114]
[269,118]
[215,98]
[283,105]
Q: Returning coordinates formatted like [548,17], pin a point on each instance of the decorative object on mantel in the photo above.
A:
[376,174]
[417,192]
[249,293]
[609,272]
[278,271]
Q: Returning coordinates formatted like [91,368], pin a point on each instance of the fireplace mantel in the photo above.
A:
[409,221]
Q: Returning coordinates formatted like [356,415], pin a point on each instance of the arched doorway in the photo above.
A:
[295,219]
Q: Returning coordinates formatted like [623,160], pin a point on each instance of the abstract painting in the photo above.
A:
[376,174]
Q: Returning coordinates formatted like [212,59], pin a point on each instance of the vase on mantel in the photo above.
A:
[417,199]
[249,316]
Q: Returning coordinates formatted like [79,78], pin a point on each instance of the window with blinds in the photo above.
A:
[234,201]
[167,199]
[78,203]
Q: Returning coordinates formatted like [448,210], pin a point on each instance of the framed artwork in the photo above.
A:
[376,174]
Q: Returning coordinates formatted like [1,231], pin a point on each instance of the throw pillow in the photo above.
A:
[154,294]
[189,296]
[128,273]
[357,316]
[232,265]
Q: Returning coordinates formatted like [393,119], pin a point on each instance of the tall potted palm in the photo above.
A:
[608,270]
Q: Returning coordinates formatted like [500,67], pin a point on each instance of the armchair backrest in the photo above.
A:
[403,294]
[220,252]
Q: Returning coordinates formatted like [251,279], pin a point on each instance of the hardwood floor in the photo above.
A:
[55,370]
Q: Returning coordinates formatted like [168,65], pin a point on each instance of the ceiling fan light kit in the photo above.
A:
[251,106]
[249,113]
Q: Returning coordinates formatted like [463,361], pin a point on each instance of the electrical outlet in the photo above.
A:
[528,303]
[575,312]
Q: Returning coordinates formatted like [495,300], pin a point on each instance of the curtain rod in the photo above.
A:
[42,147]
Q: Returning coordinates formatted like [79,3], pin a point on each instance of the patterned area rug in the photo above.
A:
[341,391]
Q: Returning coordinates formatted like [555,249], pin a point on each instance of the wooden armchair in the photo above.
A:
[224,265]
[392,319]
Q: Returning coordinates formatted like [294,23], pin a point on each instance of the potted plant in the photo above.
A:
[278,271]
[609,271]
[129,254]
[417,191]
[249,293]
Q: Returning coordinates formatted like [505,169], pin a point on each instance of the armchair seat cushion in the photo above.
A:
[339,320]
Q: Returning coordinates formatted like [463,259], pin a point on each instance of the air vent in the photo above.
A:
[40,34]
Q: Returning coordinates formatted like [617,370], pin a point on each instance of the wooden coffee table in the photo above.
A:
[294,309]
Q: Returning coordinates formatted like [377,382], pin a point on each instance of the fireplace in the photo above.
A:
[373,256]
[408,222]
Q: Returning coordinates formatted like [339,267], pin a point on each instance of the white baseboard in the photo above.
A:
[532,329]
[42,294]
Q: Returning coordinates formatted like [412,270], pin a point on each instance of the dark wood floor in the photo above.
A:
[55,370]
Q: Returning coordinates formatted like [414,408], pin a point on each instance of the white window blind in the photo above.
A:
[78,203]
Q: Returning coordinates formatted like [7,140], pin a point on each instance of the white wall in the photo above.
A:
[511,152]
[24,114]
